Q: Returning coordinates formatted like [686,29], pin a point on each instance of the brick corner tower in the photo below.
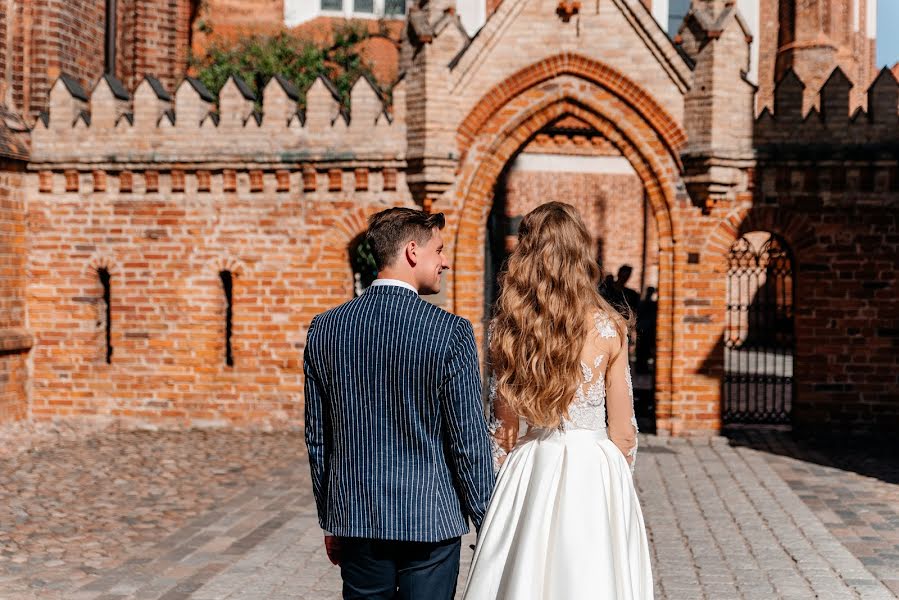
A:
[816,36]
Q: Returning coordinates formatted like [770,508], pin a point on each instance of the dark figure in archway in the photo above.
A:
[647,312]
[624,299]
[607,287]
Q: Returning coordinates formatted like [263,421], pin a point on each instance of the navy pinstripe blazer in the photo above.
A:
[395,428]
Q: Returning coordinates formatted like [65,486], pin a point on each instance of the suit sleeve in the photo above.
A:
[315,426]
[463,416]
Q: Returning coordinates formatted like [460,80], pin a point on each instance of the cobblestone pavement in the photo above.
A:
[221,515]
[72,508]
[851,486]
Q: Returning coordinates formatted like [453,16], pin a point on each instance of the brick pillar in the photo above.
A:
[154,39]
[718,108]
[15,340]
[48,38]
[430,108]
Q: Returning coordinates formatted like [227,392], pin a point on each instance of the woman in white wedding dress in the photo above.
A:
[564,522]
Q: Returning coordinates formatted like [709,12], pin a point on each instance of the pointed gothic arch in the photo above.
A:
[503,122]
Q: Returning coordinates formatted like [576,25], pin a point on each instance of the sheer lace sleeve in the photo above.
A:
[620,405]
[503,427]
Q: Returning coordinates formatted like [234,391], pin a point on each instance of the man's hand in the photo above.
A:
[332,547]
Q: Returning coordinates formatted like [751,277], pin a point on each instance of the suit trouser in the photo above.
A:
[387,569]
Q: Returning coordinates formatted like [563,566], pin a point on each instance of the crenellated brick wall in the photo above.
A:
[275,200]
[161,126]
[832,181]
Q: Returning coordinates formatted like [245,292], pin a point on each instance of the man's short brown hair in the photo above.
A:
[391,229]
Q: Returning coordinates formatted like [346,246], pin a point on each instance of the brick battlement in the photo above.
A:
[110,126]
[830,124]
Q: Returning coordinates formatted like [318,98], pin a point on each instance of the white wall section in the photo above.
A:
[561,163]
[472,13]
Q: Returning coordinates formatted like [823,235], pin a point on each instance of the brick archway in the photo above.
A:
[669,132]
[792,227]
[502,130]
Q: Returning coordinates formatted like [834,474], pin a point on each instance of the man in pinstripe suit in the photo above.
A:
[395,429]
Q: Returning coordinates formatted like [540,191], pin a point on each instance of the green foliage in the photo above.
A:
[256,59]
[363,262]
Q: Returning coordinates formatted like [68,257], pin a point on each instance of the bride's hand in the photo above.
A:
[506,438]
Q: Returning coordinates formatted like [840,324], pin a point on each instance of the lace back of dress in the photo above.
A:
[588,409]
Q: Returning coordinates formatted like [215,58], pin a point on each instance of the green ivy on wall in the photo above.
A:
[256,59]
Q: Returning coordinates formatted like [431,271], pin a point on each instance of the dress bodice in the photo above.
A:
[604,398]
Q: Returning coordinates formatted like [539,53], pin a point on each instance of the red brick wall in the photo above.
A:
[767,39]
[848,323]
[50,37]
[4,47]
[847,316]
[164,251]
[611,205]
[153,39]
[13,339]
[225,20]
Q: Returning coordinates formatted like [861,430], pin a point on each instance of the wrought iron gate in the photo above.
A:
[759,339]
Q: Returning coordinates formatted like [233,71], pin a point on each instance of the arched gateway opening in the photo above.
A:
[571,99]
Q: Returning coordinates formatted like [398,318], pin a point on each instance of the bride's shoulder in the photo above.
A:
[606,325]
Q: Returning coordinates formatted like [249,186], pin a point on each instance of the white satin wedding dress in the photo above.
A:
[564,522]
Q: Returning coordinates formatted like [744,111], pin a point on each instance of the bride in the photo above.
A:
[564,522]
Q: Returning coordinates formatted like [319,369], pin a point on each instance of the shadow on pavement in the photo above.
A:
[866,456]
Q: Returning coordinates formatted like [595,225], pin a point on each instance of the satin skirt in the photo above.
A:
[564,523]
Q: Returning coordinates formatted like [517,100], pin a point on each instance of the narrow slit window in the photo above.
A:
[228,287]
[105,281]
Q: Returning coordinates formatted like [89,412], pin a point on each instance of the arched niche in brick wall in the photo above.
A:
[755,227]
[503,122]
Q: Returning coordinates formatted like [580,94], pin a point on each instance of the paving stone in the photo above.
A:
[228,515]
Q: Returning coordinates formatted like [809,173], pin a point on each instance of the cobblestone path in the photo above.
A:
[852,487]
[214,515]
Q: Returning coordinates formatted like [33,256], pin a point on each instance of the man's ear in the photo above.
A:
[412,253]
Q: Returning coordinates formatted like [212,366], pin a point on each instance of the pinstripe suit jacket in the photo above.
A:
[395,429]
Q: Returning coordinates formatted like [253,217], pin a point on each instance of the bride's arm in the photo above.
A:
[503,426]
[620,404]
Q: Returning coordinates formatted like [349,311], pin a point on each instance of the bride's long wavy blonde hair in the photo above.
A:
[547,292]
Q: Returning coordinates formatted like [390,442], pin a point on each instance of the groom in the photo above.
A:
[394,424]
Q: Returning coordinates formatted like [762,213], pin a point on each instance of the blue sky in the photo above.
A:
[887,34]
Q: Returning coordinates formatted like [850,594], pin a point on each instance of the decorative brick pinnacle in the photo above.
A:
[567,9]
